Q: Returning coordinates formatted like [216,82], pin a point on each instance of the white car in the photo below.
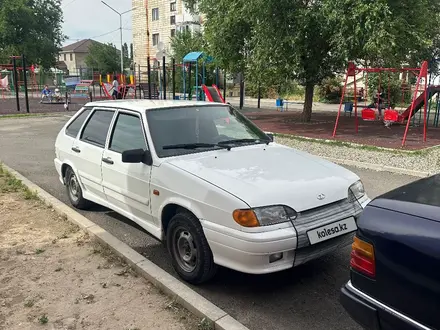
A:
[209,182]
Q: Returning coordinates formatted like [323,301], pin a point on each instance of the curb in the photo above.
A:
[379,168]
[177,290]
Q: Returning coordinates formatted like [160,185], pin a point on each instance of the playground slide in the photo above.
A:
[106,87]
[213,94]
[420,102]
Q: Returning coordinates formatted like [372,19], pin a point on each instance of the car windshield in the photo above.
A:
[183,130]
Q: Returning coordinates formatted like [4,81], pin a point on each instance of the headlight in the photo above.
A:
[264,216]
[356,191]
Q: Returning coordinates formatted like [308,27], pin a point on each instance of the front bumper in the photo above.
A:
[372,314]
[251,253]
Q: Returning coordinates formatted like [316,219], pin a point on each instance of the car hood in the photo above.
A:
[262,175]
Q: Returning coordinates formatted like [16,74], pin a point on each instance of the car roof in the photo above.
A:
[142,105]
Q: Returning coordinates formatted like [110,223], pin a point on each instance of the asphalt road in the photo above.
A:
[302,298]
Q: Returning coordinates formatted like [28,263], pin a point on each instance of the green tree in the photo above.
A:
[33,28]
[125,50]
[275,41]
[185,42]
[104,57]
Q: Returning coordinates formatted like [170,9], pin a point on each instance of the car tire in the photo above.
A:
[190,252]
[74,191]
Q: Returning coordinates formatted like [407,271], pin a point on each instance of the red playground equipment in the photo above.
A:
[213,94]
[419,98]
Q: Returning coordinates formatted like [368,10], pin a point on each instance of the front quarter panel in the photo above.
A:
[206,201]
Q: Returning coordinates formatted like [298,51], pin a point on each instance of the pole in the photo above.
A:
[164,78]
[14,65]
[425,107]
[149,77]
[340,105]
[139,80]
[26,96]
[122,53]
[259,96]
[189,86]
[224,85]
[413,102]
[241,91]
[356,119]
[174,79]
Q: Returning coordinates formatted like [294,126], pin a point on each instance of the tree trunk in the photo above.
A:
[306,115]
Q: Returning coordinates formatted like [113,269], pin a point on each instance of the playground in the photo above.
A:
[370,133]
[412,124]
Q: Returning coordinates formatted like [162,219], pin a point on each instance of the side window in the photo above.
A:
[74,127]
[127,134]
[97,127]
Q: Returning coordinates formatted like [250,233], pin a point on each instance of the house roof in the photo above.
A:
[81,46]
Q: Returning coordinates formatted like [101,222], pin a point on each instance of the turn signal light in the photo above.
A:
[362,257]
[245,218]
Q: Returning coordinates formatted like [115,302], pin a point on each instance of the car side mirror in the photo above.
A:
[136,156]
[270,135]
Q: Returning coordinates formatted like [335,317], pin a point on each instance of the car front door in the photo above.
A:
[88,150]
[127,186]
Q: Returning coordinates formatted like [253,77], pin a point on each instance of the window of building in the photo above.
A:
[173,20]
[173,33]
[65,58]
[155,39]
[173,6]
[71,57]
[155,14]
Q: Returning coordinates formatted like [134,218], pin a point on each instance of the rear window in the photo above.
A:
[74,127]
[423,191]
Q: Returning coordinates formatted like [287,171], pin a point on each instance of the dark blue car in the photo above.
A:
[395,260]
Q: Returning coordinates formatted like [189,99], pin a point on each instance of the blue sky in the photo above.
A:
[92,19]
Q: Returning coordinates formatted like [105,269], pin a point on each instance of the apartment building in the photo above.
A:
[162,19]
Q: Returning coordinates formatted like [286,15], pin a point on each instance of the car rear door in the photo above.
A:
[88,148]
[127,186]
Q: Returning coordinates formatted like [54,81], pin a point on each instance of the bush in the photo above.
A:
[330,89]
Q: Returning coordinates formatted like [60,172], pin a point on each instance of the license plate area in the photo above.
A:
[332,230]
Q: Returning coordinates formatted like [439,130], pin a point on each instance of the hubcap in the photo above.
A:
[73,187]
[185,249]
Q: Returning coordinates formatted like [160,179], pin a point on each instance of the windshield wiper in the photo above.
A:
[242,141]
[194,146]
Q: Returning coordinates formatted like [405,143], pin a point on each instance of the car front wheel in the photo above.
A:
[191,255]
[74,190]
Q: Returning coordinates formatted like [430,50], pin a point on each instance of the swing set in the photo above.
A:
[421,94]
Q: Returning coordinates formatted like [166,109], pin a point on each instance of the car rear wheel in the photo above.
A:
[74,190]
[190,252]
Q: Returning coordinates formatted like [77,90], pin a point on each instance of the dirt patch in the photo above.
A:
[54,276]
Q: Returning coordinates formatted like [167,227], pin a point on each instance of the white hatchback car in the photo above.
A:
[205,179]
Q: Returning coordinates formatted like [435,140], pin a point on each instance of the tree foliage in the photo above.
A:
[185,42]
[125,50]
[274,41]
[33,28]
[104,57]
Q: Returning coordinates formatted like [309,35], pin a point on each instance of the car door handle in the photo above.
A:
[76,149]
[108,160]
